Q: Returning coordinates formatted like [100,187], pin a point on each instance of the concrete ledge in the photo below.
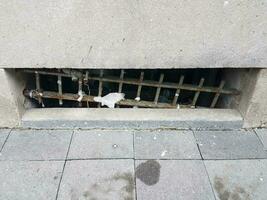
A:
[132,118]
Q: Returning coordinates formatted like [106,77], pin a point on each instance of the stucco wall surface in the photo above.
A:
[9,105]
[133,34]
[253,105]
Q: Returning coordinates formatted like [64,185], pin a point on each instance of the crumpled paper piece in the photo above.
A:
[110,99]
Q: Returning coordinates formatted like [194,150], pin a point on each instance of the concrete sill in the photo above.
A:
[64,118]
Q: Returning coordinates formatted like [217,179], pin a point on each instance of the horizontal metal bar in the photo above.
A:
[149,83]
[87,98]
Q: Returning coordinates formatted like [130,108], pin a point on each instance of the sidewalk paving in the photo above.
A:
[128,165]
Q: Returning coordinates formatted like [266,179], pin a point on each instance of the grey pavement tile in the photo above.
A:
[172,180]
[98,179]
[229,145]
[3,135]
[262,133]
[29,180]
[101,144]
[238,179]
[165,145]
[36,145]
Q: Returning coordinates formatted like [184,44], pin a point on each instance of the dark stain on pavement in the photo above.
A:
[148,172]
[129,179]
[106,186]
[238,192]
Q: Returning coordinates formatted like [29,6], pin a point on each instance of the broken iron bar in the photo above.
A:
[88,98]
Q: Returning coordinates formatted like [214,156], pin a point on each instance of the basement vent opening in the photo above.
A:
[129,88]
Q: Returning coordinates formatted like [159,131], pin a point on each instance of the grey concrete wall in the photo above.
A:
[253,102]
[11,98]
[133,34]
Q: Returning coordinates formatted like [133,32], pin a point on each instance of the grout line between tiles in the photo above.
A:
[6,140]
[200,153]
[255,132]
[134,165]
[59,184]
[84,159]
[213,192]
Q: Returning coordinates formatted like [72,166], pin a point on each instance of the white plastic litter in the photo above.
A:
[137,99]
[110,100]
[31,94]
[80,93]
[164,153]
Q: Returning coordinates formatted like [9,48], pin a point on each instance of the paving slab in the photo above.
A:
[98,179]
[29,180]
[238,179]
[229,145]
[101,144]
[172,180]
[36,145]
[3,135]
[262,133]
[165,145]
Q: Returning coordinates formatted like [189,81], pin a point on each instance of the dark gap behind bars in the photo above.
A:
[187,98]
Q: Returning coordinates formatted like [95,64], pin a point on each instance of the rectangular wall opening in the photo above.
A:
[131,88]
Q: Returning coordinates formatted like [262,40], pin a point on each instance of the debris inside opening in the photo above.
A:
[129,88]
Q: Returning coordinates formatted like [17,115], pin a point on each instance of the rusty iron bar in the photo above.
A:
[149,83]
[216,97]
[177,93]
[139,89]
[87,98]
[158,88]
[80,90]
[121,83]
[86,76]
[38,85]
[59,83]
[201,82]
[87,85]
[100,87]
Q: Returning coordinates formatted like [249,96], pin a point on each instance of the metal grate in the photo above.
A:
[83,77]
